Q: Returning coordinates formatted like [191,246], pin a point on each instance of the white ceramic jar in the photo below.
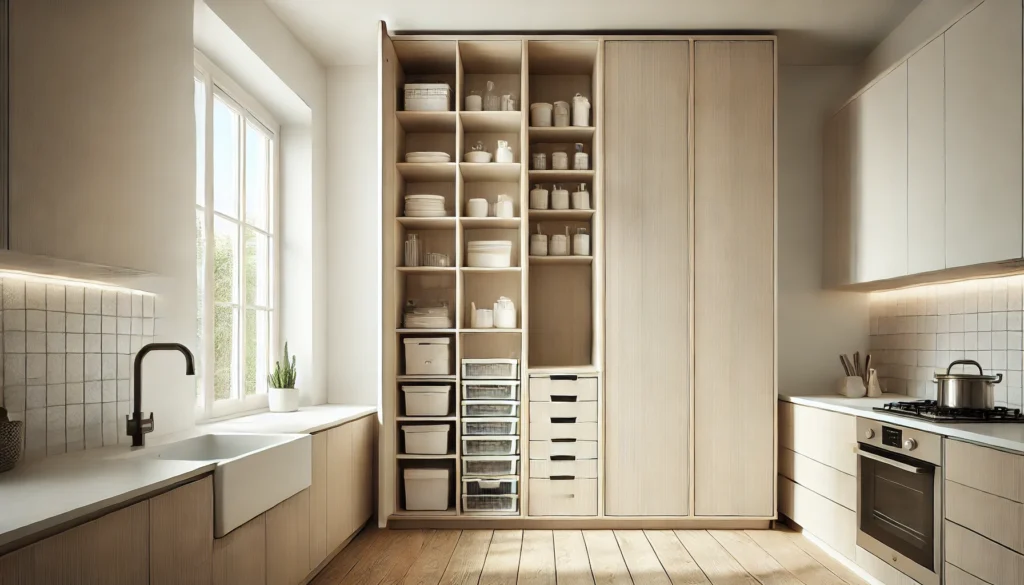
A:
[504,152]
[540,161]
[503,208]
[581,197]
[540,114]
[538,245]
[581,244]
[559,161]
[474,103]
[559,245]
[476,207]
[561,114]
[580,111]
[538,198]
[559,198]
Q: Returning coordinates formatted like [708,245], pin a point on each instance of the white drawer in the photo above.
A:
[563,389]
[547,469]
[563,411]
[546,431]
[552,449]
[577,497]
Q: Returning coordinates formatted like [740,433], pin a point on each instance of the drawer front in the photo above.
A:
[956,576]
[564,411]
[982,558]
[576,449]
[577,497]
[546,469]
[989,470]
[556,389]
[824,436]
[546,431]
[832,523]
[993,517]
[819,478]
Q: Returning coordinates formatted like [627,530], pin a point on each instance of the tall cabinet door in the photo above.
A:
[983,135]
[647,278]
[734,278]
[926,159]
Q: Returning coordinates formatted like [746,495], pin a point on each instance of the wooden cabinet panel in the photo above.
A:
[835,525]
[340,482]
[577,388]
[956,576]
[363,459]
[181,535]
[981,557]
[576,497]
[926,159]
[734,279]
[822,435]
[647,280]
[288,540]
[318,502]
[993,517]
[821,479]
[837,228]
[989,470]
[240,557]
[983,135]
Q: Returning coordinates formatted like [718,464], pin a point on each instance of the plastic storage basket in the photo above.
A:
[490,487]
[508,504]
[490,426]
[490,408]
[428,97]
[490,390]
[426,400]
[490,445]
[426,439]
[491,466]
[490,369]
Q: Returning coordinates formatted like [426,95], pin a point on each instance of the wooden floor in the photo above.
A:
[573,557]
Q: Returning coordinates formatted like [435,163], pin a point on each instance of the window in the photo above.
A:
[236,211]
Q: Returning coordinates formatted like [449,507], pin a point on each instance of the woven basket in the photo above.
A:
[11,433]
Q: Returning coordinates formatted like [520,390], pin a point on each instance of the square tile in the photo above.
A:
[926,358]
[13,294]
[93,302]
[984,340]
[1014,320]
[970,297]
[1014,299]
[55,368]
[93,323]
[35,320]
[109,324]
[1000,320]
[148,306]
[35,368]
[123,367]
[110,423]
[109,343]
[999,295]
[75,416]
[984,321]
[14,319]
[971,322]
[56,322]
[1014,340]
[74,298]
[35,342]
[124,344]
[109,361]
[75,392]
[14,341]
[984,357]
[93,367]
[1014,360]
[75,367]
[123,390]
[75,342]
[942,341]
[984,296]
[137,304]
[35,397]
[124,325]
[14,368]
[35,295]
[93,343]
[56,395]
[108,303]
[93,392]
[999,340]
[136,326]
[14,398]
[942,324]
[109,391]
[136,344]
[956,323]
[55,298]
[124,304]
[147,327]
[971,341]
[56,342]
[75,323]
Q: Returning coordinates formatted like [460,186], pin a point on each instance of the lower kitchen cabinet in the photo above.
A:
[288,540]
[239,558]
[350,457]
[181,535]
[318,502]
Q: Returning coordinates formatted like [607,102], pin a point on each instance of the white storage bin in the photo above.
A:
[428,97]
[426,439]
[490,426]
[490,369]
[490,408]
[427,356]
[426,489]
[490,390]
[491,504]
[489,254]
[493,445]
[426,400]
[487,466]
[499,486]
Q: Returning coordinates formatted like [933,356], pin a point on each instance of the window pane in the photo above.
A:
[200,105]
[255,176]
[257,267]
[257,340]
[225,158]
[225,261]
[225,353]
[200,288]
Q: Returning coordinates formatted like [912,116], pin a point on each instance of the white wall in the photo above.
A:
[815,325]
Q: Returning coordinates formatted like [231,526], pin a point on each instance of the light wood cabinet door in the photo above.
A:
[288,540]
[647,284]
[111,550]
[181,535]
[240,557]
[983,135]
[734,278]
[926,159]
[340,482]
[364,461]
[318,502]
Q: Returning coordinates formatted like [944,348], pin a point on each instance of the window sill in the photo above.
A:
[306,420]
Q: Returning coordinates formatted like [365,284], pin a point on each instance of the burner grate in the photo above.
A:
[930,410]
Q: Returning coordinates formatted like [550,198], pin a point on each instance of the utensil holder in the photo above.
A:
[852,387]
[874,386]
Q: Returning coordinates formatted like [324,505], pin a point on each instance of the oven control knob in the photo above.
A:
[910,444]
[869,434]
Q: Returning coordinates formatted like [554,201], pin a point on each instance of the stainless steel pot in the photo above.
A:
[967,390]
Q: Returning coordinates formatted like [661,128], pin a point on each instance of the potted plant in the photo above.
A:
[283,396]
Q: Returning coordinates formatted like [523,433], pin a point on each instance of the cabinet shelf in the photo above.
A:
[491,330]
[426,269]
[561,176]
[426,378]
[427,223]
[491,270]
[491,121]
[406,330]
[491,222]
[561,214]
[424,513]
[561,259]
[561,134]
[425,419]
[426,172]
[427,121]
[491,172]
[428,457]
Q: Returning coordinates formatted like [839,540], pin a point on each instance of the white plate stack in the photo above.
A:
[428,157]
[424,206]
[489,254]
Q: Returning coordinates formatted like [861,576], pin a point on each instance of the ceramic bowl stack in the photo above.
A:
[428,157]
[489,254]
[435,317]
[424,206]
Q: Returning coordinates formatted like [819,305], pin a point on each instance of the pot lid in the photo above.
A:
[979,376]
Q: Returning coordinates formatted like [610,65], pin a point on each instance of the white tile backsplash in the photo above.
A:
[918,331]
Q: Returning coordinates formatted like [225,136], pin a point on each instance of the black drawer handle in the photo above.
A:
[561,420]
[563,477]
[563,440]
[563,458]
[565,377]
[563,398]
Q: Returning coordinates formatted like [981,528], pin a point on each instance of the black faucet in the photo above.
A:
[138,426]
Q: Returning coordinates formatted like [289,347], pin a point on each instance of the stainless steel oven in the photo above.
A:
[899,498]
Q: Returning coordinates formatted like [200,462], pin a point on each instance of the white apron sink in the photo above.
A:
[254,472]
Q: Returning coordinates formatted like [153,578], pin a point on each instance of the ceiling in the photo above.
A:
[811,32]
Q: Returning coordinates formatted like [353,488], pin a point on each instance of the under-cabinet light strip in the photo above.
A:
[65,280]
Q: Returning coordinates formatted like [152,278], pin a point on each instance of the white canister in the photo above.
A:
[540,114]
[476,207]
[561,113]
[581,197]
[580,111]
[581,244]
[559,245]
[559,161]
[538,245]
[559,198]
[505,313]
[538,198]
[580,161]
[503,208]
[504,152]
[474,103]
[483,319]
[540,161]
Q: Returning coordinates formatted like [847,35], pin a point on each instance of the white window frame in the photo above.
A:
[218,83]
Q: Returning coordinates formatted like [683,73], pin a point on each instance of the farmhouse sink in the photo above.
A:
[254,472]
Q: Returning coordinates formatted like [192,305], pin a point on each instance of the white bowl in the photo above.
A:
[478,156]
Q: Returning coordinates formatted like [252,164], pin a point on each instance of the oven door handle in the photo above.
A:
[897,464]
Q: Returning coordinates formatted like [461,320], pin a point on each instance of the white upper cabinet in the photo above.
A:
[926,159]
[983,135]
[879,179]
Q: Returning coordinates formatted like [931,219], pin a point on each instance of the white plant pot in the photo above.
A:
[283,399]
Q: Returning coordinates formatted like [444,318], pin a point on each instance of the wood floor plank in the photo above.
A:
[605,558]
[642,561]
[572,565]
[395,555]
[501,567]
[715,561]
[793,558]
[678,563]
[468,559]
[815,552]
[437,550]
[349,556]
[537,563]
[753,558]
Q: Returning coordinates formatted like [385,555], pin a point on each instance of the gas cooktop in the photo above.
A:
[930,410]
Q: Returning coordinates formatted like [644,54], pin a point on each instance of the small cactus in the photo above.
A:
[283,376]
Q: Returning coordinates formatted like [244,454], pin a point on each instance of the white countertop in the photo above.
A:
[56,490]
[1009,436]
